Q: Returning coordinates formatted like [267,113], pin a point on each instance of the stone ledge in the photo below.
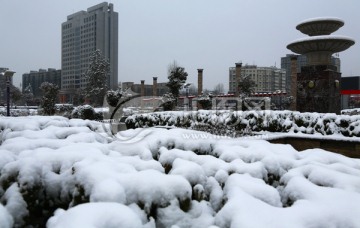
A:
[347,148]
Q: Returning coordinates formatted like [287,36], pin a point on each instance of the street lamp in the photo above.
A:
[8,74]
[186,87]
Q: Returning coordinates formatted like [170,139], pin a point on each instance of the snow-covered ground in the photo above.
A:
[75,174]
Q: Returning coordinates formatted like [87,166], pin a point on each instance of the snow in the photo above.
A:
[79,176]
[6,221]
[93,215]
[321,19]
[322,37]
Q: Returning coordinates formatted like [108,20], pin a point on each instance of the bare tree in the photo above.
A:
[219,89]
[193,90]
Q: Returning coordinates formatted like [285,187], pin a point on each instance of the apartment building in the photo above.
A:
[267,79]
[36,78]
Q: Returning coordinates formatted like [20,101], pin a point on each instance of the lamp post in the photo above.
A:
[7,74]
[186,87]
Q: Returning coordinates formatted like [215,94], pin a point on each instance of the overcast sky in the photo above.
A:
[208,34]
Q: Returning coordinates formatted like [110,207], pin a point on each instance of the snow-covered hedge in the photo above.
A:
[242,122]
[57,173]
[15,112]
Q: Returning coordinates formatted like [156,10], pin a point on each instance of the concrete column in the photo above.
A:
[154,86]
[238,78]
[142,88]
[293,85]
[200,81]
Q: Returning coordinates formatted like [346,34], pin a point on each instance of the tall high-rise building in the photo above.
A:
[267,79]
[82,34]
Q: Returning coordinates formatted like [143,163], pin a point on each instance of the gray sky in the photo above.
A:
[208,34]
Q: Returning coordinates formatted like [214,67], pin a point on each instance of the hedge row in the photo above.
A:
[245,122]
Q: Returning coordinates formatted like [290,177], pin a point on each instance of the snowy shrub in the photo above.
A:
[15,112]
[247,122]
[86,112]
[56,172]
[64,109]
[113,97]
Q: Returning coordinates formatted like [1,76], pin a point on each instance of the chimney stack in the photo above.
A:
[200,81]
[237,78]
[142,88]
[293,84]
[154,86]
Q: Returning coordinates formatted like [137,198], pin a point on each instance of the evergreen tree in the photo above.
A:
[50,92]
[15,94]
[28,95]
[177,77]
[246,86]
[96,77]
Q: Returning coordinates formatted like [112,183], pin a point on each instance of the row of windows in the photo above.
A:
[67,26]
[91,18]
[85,53]
[92,34]
[72,82]
[70,46]
[68,36]
[88,30]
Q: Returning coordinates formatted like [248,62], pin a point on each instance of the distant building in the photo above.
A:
[267,79]
[301,61]
[3,86]
[36,78]
[82,34]
[148,88]
[350,92]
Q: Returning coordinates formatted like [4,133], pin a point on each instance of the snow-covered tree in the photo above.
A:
[205,101]
[28,95]
[50,92]
[177,77]
[15,94]
[168,102]
[96,77]
[246,87]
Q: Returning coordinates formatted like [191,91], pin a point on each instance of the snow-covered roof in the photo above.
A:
[321,19]
[323,37]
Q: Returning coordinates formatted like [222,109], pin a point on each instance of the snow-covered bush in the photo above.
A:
[57,172]
[15,112]
[113,97]
[86,112]
[64,109]
[246,122]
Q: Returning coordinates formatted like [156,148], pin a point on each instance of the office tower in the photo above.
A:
[82,34]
